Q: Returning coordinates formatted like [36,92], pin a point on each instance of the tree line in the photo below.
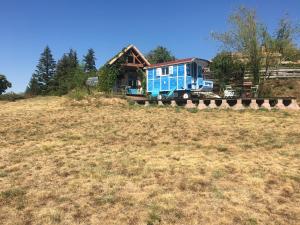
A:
[58,78]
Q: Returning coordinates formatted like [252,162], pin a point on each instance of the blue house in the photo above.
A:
[179,78]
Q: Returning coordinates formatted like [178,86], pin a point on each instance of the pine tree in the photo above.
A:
[33,87]
[45,71]
[65,72]
[89,62]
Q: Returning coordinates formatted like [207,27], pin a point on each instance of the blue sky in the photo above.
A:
[184,27]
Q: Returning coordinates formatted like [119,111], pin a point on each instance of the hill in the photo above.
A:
[106,162]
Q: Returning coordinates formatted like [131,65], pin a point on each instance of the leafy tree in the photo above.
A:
[65,72]
[89,62]
[227,69]
[44,72]
[285,37]
[244,37]
[269,51]
[160,55]
[4,84]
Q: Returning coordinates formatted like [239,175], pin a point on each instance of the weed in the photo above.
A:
[222,148]
[218,174]
[251,221]
[12,193]
[3,173]
[193,110]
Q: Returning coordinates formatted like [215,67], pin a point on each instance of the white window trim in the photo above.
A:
[158,72]
[171,70]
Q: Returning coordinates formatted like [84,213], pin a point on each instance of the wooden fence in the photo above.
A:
[282,73]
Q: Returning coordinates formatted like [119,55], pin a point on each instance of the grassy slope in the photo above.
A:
[281,88]
[62,163]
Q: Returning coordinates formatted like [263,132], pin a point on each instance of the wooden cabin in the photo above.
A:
[133,63]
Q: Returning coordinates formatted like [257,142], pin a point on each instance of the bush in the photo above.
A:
[107,77]
[77,94]
[11,96]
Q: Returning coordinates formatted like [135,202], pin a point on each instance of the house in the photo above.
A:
[133,63]
[179,78]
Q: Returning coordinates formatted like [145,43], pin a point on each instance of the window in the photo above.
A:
[158,71]
[171,69]
[130,59]
[199,71]
[165,71]
[188,69]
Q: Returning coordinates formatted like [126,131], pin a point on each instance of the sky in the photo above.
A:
[184,27]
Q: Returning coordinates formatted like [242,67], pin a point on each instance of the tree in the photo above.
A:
[44,72]
[227,69]
[4,84]
[244,37]
[107,76]
[269,52]
[89,62]
[65,72]
[285,37]
[160,55]
[33,87]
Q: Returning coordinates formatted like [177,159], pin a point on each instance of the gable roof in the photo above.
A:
[175,62]
[125,50]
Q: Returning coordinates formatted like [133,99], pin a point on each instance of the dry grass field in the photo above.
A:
[107,162]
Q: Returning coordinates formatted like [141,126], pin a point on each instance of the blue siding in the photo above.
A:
[173,83]
[180,83]
[165,83]
[181,70]
[178,80]
[157,84]
[188,82]
[150,85]
[150,74]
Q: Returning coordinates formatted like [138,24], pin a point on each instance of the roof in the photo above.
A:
[178,61]
[123,51]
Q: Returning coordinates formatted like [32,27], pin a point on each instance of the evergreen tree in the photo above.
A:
[45,71]
[65,72]
[33,87]
[89,62]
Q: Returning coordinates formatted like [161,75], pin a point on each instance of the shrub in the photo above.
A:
[107,77]
[77,94]
[11,96]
